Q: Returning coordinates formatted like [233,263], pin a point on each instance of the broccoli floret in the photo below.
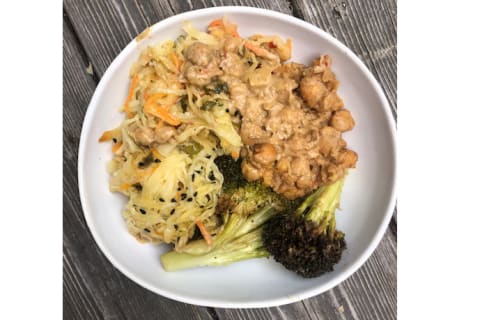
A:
[237,206]
[303,237]
[307,241]
[243,209]
[248,198]
[233,180]
[232,172]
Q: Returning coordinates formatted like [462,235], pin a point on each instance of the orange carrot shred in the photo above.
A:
[177,196]
[204,232]
[235,155]
[125,186]
[259,51]
[155,153]
[107,135]
[216,23]
[116,146]
[131,90]
[145,94]
[230,28]
[151,107]
[175,61]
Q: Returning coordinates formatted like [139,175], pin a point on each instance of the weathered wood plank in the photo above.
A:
[93,288]
[369,293]
[106,27]
[295,311]
[368,28]
[276,5]
[119,22]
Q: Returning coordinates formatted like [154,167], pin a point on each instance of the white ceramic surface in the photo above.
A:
[367,200]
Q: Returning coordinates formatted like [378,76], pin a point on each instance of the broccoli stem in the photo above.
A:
[255,220]
[322,209]
[199,247]
[306,205]
[245,247]
[236,226]
[309,252]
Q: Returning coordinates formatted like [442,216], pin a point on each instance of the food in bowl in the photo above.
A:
[226,146]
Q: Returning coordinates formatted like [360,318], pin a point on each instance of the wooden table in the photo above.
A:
[94,33]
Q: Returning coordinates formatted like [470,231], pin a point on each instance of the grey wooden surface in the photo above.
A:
[94,33]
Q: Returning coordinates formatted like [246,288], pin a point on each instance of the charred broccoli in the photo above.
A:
[306,241]
[238,208]
[231,170]
[244,209]
[247,246]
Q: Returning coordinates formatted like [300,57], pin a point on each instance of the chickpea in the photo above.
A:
[347,158]
[264,153]
[300,167]
[312,90]
[330,138]
[164,133]
[144,136]
[283,165]
[332,102]
[199,53]
[231,43]
[250,172]
[342,120]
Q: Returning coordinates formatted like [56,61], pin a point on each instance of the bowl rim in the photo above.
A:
[225,303]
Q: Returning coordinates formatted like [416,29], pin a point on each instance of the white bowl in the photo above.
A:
[367,201]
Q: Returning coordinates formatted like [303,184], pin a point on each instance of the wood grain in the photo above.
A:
[370,293]
[96,31]
[368,28]
[93,288]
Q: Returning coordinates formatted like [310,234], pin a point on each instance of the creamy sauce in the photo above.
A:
[292,118]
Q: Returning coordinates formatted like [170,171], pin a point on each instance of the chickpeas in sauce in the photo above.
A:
[292,117]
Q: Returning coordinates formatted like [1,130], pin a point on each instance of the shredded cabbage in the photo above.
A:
[171,180]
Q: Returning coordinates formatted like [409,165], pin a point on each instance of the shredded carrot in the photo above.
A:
[116,146]
[145,93]
[289,43]
[171,99]
[167,98]
[151,107]
[235,155]
[272,45]
[133,84]
[155,153]
[175,61]
[108,135]
[259,51]
[145,173]
[177,196]
[230,28]
[204,232]
[216,23]
[125,186]
[140,175]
